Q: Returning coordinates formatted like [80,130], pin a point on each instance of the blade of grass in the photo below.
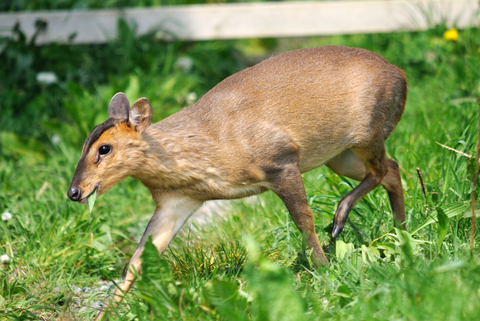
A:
[91,200]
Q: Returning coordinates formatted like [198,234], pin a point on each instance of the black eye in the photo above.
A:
[104,149]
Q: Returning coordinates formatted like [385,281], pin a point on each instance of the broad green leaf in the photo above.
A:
[153,266]
[390,247]
[407,244]
[271,289]
[343,249]
[156,285]
[225,297]
[344,295]
[450,210]
[370,253]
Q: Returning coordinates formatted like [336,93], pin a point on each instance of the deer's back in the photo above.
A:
[322,100]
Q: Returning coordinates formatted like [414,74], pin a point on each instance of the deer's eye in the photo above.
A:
[104,150]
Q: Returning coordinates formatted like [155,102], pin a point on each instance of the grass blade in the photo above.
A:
[91,200]
[450,211]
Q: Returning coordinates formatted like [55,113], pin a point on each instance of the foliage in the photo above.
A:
[89,76]
[22,5]
[243,265]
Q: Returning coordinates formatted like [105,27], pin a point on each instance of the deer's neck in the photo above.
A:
[175,160]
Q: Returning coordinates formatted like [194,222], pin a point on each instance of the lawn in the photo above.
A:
[244,261]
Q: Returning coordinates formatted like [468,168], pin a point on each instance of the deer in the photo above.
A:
[257,130]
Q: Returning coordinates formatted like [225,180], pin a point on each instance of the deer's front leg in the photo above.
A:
[171,213]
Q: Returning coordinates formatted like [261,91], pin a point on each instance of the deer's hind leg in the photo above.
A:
[393,184]
[371,169]
[288,185]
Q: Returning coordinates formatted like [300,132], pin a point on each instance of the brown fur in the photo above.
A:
[259,130]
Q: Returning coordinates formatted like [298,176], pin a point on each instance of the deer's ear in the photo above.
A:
[141,114]
[119,106]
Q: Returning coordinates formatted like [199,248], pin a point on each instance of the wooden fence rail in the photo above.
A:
[246,20]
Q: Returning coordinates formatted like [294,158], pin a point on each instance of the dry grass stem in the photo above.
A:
[456,151]
[422,184]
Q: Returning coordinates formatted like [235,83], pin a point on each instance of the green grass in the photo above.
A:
[245,264]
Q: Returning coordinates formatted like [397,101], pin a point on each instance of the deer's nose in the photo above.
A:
[74,194]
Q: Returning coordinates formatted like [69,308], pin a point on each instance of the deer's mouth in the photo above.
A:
[85,199]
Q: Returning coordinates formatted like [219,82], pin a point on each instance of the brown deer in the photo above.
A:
[257,130]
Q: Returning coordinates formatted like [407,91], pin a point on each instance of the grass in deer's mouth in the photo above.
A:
[91,200]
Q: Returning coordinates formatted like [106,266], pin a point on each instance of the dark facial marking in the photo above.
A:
[99,130]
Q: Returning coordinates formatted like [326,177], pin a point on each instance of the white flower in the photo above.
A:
[6,216]
[184,63]
[47,77]
[191,98]
[4,259]
[55,139]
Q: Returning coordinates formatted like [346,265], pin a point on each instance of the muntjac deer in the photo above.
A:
[257,130]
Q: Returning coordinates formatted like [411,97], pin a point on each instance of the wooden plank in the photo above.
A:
[247,20]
